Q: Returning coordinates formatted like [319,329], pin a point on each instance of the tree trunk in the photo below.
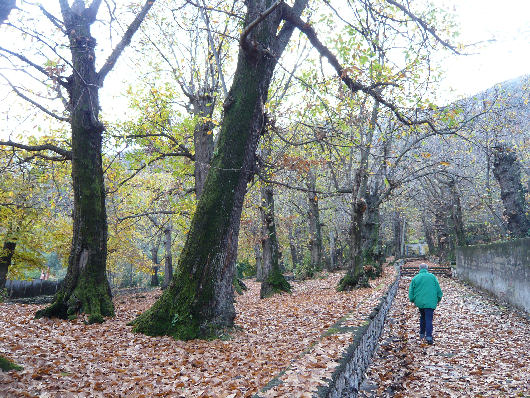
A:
[397,224]
[456,215]
[294,251]
[203,142]
[168,259]
[443,237]
[332,251]
[86,288]
[315,233]
[371,244]
[356,277]
[259,262]
[199,300]
[507,172]
[273,280]
[427,229]
[6,256]
[154,259]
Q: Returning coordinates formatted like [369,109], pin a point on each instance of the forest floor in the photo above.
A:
[281,333]
[480,349]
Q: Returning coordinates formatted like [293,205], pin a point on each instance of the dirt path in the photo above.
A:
[481,349]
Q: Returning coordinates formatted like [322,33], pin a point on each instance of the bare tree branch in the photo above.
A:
[125,41]
[67,155]
[34,103]
[424,26]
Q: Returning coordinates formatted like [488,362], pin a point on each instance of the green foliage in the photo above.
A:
[305,268]
[245,270]
[6,364]
[275,283]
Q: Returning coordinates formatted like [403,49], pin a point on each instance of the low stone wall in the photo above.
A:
[347,377]
[502,268]
[38,287]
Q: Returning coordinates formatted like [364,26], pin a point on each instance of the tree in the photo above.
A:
[86,287]
[507,171]
[199,301]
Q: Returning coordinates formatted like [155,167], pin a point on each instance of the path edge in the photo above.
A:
[356,358]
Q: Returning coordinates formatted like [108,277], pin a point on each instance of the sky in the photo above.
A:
[507,22]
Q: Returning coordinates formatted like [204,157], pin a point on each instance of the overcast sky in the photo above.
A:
[505,21]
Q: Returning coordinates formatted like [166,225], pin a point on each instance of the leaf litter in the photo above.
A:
[480,349]
[281,333]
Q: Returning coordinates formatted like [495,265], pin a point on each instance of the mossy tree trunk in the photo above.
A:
[259,261]
[507,172]
[199,300]
[273,280]
[168,258]
[456,214]
[398,222]
[6,257]
[86,288]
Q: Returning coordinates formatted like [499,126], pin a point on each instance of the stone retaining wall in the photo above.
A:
[502,268]
[348,376]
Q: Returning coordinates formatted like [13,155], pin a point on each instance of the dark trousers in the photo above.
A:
[426,322]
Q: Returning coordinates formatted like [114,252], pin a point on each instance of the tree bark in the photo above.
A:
[154,259]
[315,231]
[397,224]
[356,276]
[371,243]
[168,259]
[273,280]
[203,142]
[199,300]
[294,251]
[332,251]
[456,215]
[6,256]
[259,262]
[507,172]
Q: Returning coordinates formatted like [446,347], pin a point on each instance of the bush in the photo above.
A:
[245,270]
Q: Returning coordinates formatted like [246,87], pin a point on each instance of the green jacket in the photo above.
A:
[424,290]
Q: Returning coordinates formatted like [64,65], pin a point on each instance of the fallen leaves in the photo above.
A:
[284,332]
[480,349]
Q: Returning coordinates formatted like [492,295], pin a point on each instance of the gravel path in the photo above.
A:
[481,349]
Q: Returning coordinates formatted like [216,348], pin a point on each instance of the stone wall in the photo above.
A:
[355,359]
[347,377]
[502,268]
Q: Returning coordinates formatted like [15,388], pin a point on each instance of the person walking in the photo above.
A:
[425,293]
